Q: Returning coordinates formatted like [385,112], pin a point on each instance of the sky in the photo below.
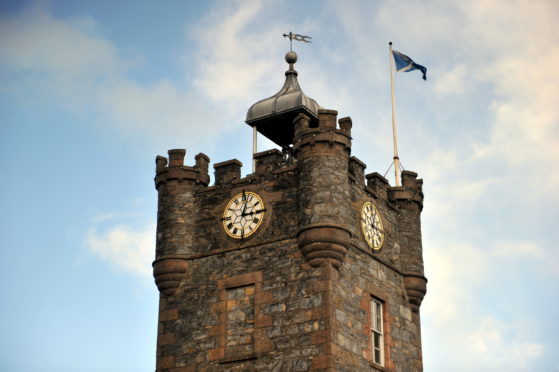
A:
[92,91]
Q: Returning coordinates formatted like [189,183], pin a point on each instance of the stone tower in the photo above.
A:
[306,264]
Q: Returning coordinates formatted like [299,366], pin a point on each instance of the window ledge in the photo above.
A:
[378,367]
[238,358]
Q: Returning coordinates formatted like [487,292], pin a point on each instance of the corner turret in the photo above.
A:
[322,154]
[175,184]
[409,199]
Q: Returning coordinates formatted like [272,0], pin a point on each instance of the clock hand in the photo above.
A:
[253,212]
[244,205]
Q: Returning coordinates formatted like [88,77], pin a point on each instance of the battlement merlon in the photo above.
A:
[227,171]
[357,170]
[377,185]
[268,161]
[345,125]
[307,136]
[411,189]
[173,169]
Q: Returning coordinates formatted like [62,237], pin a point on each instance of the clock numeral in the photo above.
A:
[256,220]
[230,226]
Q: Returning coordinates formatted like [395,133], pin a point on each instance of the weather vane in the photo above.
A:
[297,37]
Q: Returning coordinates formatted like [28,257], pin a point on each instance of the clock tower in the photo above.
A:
[306,264]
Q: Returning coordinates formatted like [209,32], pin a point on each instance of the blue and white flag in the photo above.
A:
[405,63]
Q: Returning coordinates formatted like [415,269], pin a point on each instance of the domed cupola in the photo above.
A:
[273,117]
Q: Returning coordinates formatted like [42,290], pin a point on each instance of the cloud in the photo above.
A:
[475,337]
[56,59]
[454,269]
[458,269]
[102,217]
[453,81]
[67,63]
[488,176]
[503,346]
[518,250]
[160,110]
[234,52]
[34,41]
[509,78]
[127,249]
[517,64]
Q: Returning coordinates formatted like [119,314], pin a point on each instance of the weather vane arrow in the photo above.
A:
[297,37]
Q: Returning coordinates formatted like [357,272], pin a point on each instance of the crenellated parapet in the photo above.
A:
[174,170]
[410,191]
[323,138]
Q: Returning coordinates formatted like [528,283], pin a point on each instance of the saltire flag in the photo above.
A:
[405,63]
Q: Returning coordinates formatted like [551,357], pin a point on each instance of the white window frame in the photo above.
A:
[377,331]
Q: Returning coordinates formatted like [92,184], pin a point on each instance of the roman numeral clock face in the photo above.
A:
[371,224]
[243,215]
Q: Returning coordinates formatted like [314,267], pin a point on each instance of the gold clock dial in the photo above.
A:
[243,215]
[371,224]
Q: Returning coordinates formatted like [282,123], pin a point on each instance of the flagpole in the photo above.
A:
[254,147]
[394,131]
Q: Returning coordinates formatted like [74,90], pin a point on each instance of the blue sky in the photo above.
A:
[91,92]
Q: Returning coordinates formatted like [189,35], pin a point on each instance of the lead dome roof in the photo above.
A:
[273,116]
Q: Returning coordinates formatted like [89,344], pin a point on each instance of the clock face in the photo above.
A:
[243,215]
[371,224]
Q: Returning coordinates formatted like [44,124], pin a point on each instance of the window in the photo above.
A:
[238,311]
[240,321]
[377,335]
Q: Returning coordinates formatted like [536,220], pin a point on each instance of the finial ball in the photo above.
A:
[291,57]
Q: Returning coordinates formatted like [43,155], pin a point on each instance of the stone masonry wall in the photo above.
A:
[258,305]
[323,195]
[361,278]
[200,327]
